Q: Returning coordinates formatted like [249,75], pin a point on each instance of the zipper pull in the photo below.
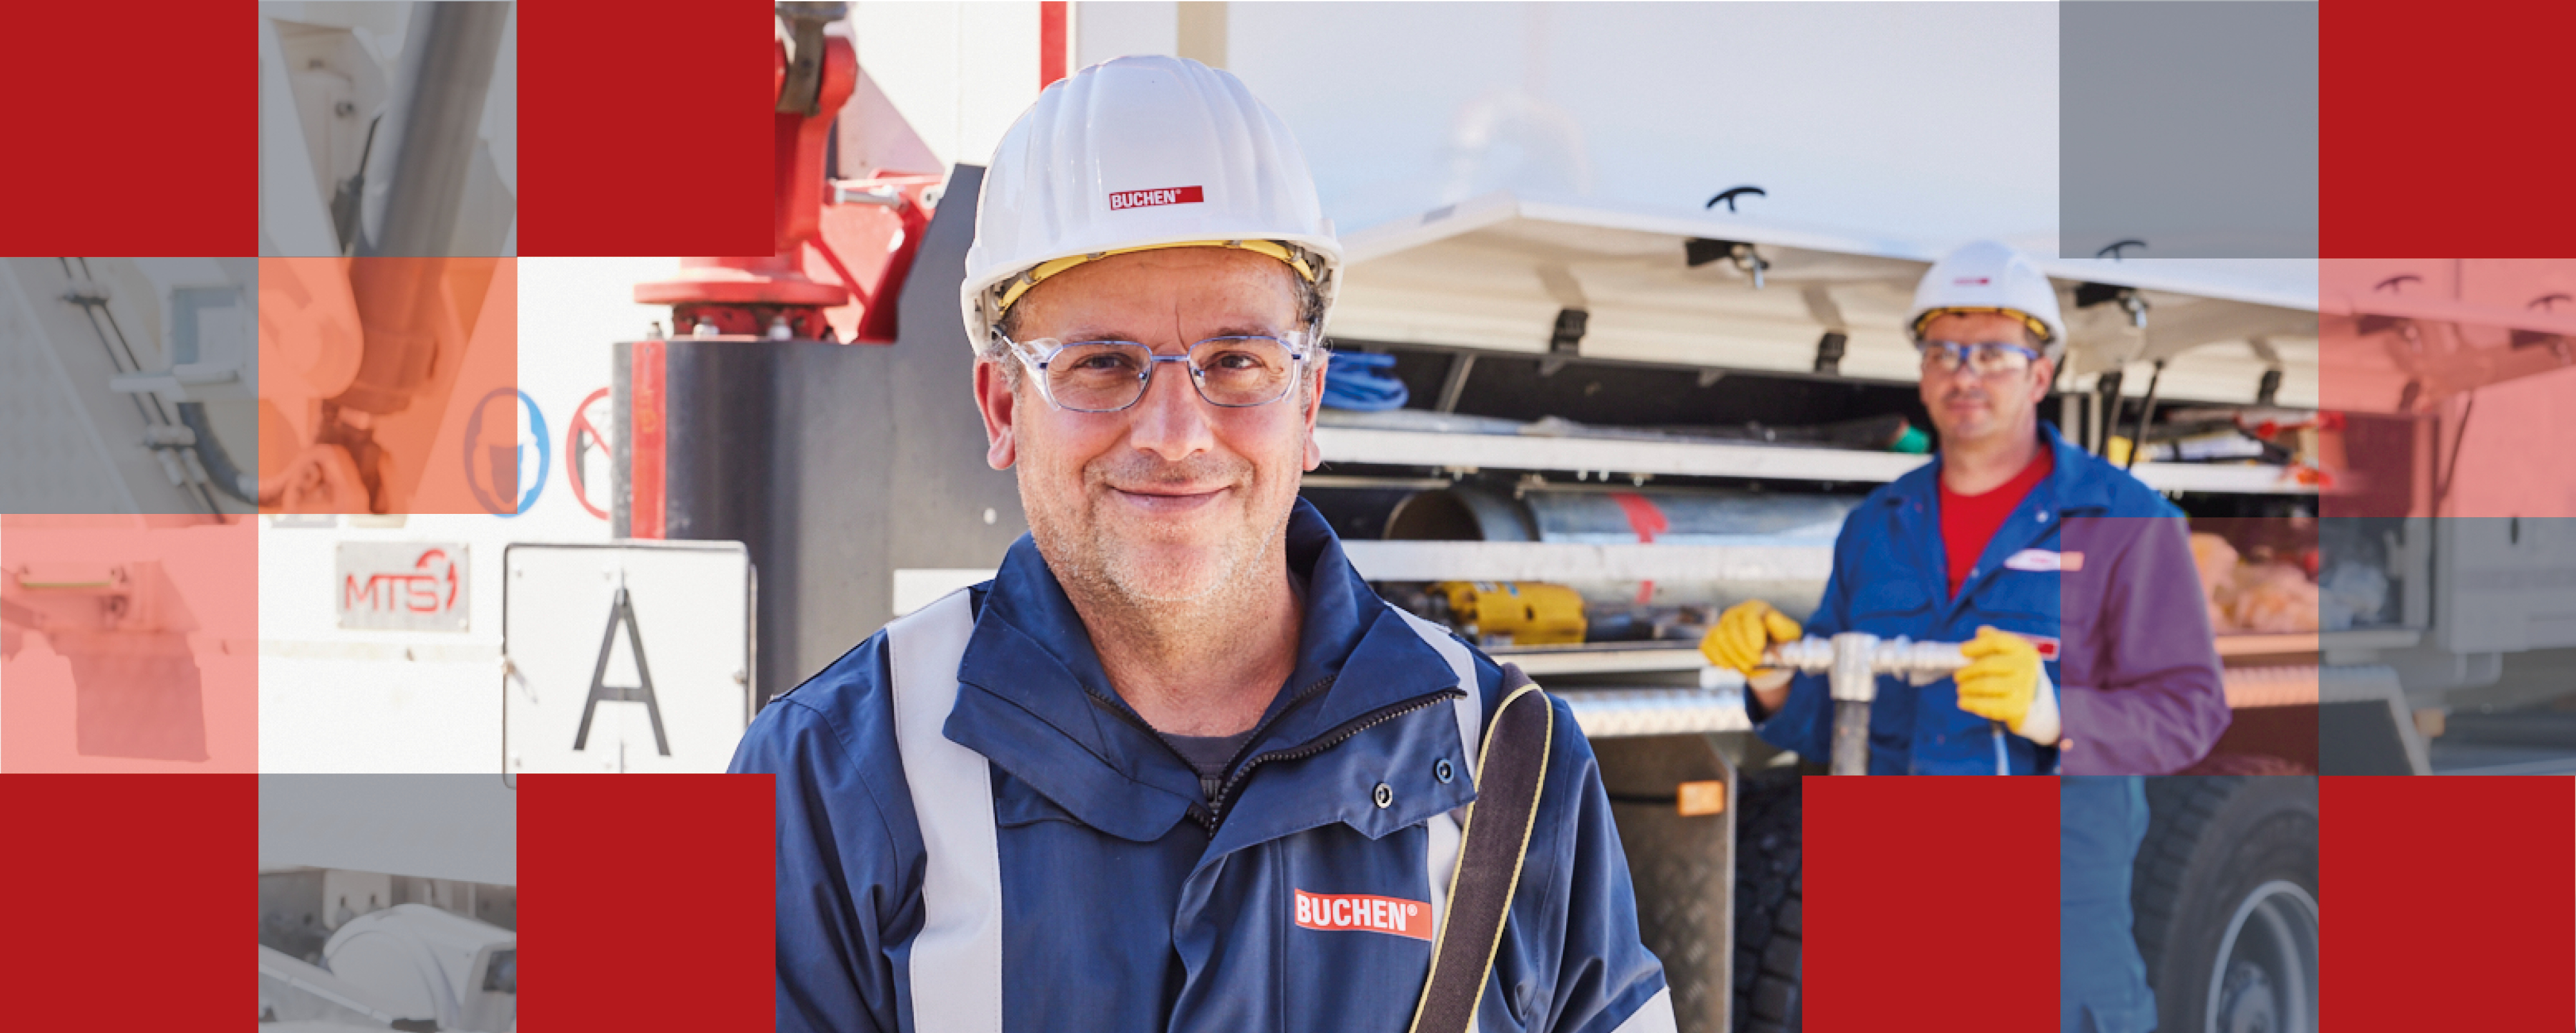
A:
[1208,787]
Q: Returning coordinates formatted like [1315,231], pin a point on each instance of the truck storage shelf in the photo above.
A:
[2269,686]
[1620,457]
[1560,562]
[2268,645]
[1616,712]
[2249,687]
[1614,658]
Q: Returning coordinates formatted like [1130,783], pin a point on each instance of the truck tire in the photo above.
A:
[2225,893]
[1769,959]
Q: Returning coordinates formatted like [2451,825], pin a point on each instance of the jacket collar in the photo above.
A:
[1046,712]
[2082,481]
[2079,482]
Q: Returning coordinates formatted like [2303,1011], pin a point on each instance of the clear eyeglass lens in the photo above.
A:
[1098,375]
[1239,371]
[1983,359]
[1104,376]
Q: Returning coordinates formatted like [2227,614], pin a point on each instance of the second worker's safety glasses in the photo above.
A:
[1986,359]
[1107,376]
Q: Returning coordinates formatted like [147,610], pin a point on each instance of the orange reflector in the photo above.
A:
[1700,798]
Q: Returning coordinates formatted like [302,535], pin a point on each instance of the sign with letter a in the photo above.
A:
[632,656]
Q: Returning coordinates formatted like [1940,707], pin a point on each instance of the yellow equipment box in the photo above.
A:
[1531,613]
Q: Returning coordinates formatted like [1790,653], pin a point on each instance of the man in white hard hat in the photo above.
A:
[1176,766]
[2071,582]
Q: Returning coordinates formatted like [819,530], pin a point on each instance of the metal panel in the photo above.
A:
[2364,726]
[1683,867]
[2506,584]
[56,411]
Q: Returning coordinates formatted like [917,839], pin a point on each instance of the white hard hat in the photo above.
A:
[1134,154]
[1990,277]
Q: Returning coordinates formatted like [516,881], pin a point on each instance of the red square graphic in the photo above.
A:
[154,871]
[1928,900]
[2444,883]
[600,859]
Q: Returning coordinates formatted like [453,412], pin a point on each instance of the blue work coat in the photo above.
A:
[2134,663]
[1130,899]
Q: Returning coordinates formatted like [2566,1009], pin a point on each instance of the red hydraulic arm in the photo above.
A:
[855,239]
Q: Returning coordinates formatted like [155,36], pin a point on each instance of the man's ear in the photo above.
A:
[1315,405]
[994,398]
[2047,370]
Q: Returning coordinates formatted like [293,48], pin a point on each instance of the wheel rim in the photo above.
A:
[2264,979]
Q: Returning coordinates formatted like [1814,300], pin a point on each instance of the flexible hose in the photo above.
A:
[229,479]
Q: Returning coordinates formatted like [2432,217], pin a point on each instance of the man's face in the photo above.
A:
[1968,407]
[1172,498]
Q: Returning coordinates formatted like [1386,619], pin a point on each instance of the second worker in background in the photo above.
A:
[2071,585]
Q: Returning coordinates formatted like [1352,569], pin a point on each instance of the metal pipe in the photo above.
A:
[418,183]
[1616,516]
[232,480]
[1855,659]
[417,188]
[2147,412]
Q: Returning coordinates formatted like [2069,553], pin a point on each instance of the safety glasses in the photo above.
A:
[1985,359]
[1107,376]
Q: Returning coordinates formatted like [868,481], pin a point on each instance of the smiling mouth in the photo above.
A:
[1166,500]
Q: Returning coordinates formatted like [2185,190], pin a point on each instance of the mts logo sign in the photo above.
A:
[402,586]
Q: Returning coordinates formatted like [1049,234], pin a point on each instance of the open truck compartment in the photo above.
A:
[1615,425]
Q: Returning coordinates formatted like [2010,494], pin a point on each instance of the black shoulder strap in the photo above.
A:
[1511,772]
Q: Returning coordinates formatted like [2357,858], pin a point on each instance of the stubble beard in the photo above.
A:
[1096,563]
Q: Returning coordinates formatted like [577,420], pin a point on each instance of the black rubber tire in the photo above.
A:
[2210,841]
[1769,961]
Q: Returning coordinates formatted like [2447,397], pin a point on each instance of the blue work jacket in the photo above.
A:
[2125,632]
[1131,900]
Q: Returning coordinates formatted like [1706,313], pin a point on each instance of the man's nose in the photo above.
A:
[1171,421]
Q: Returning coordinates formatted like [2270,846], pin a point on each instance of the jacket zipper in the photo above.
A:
[1211,814]
[1340,734]
[1198,811]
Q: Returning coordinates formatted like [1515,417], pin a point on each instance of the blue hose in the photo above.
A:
[1355,380]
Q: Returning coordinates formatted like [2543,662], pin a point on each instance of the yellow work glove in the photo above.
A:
[2002,678]
[1743,632]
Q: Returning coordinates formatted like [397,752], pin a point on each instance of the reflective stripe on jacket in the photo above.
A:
[1011,848]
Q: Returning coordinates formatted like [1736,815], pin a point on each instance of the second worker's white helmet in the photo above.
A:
[1990,277]
[1134,154]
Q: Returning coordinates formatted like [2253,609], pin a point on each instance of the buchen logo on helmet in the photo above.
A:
[1150,198]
